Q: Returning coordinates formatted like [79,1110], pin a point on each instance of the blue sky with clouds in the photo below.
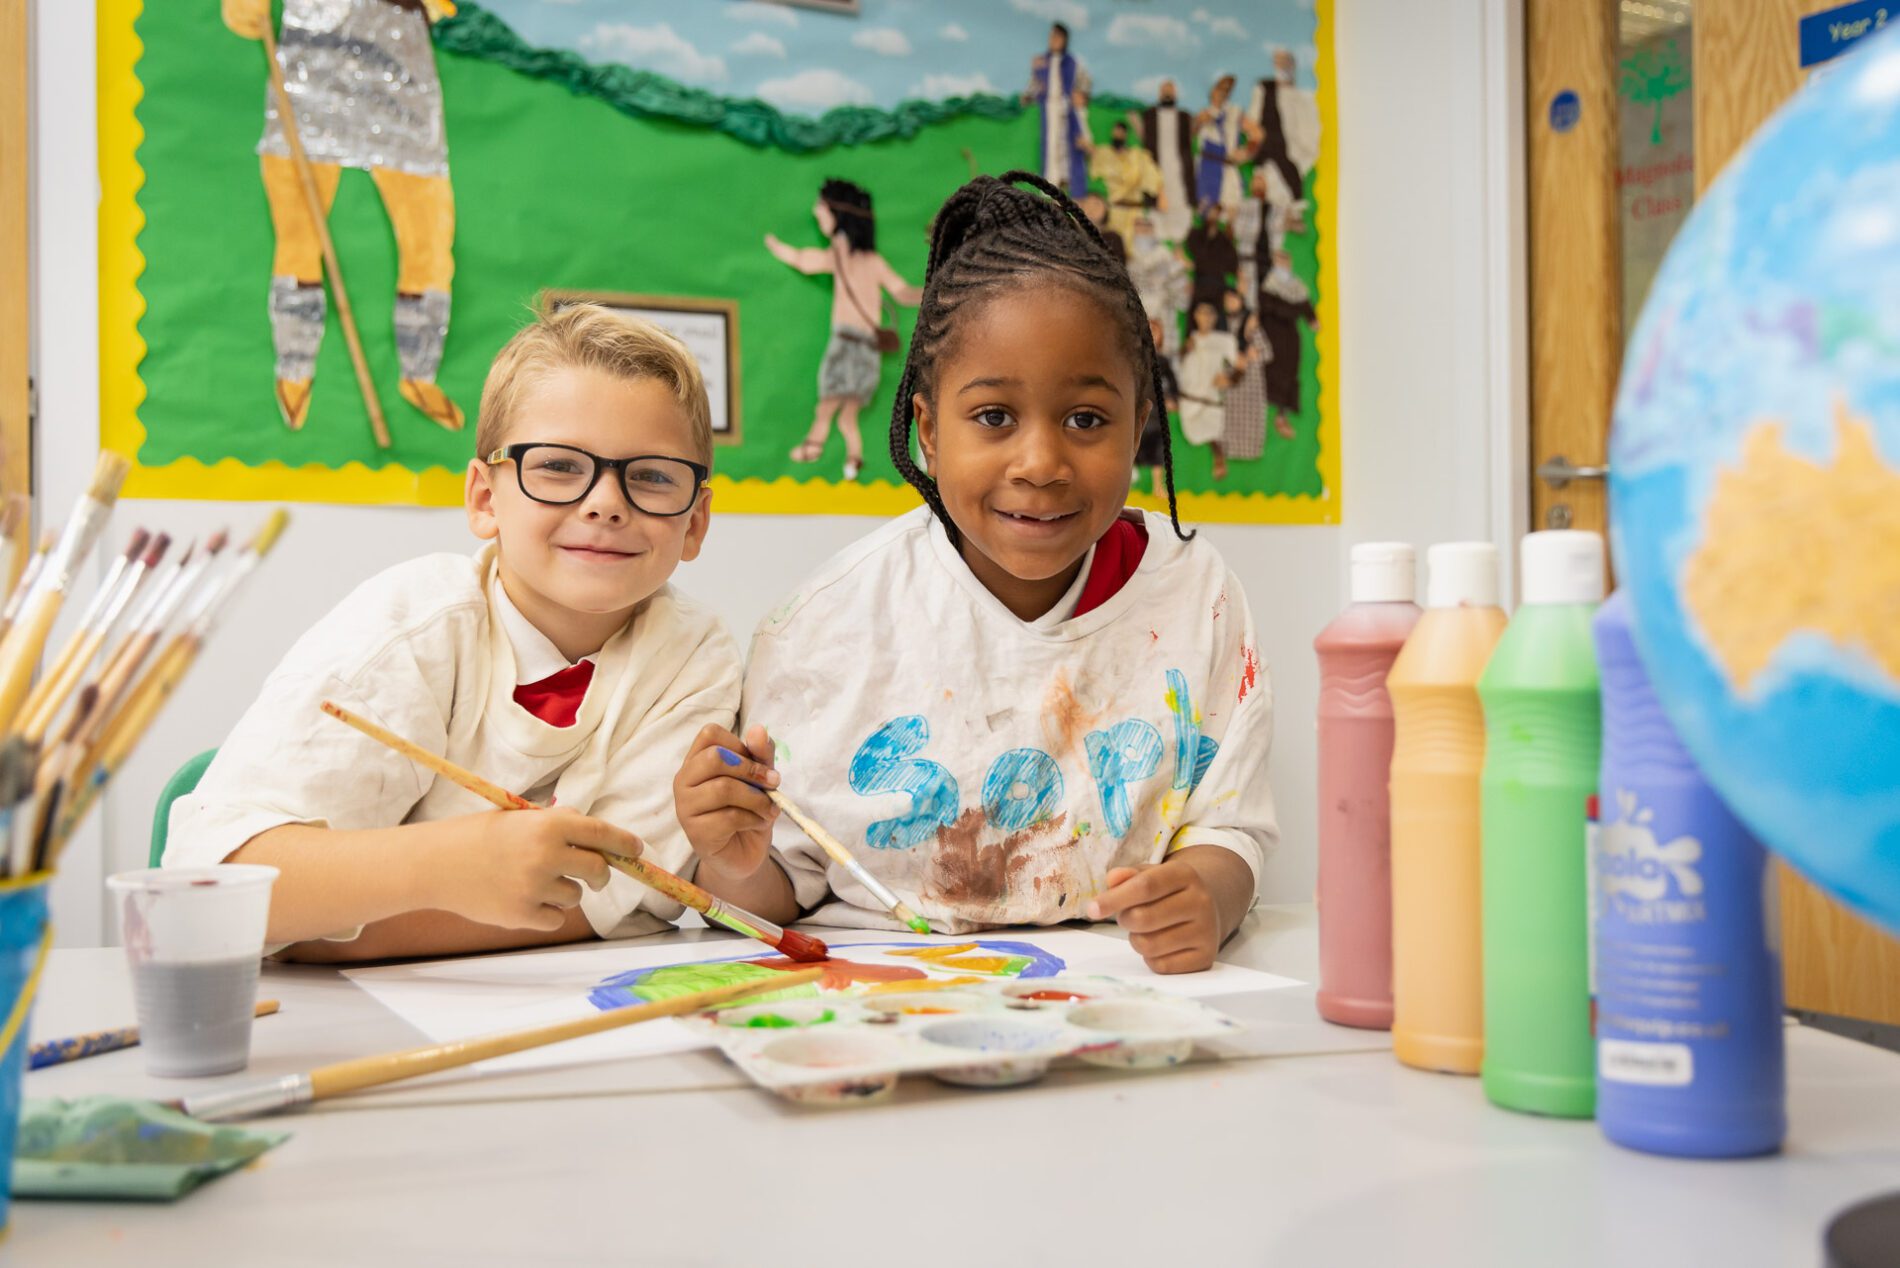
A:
[805,61]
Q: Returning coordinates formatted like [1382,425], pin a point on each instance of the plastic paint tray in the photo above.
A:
[851,1049]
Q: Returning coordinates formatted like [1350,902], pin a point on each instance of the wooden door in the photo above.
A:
[1600,212]
[1575,274]
[16,464]
[1747,58]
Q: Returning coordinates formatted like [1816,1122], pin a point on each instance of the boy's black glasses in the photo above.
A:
[561,475]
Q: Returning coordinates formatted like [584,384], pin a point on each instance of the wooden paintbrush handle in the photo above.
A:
[20,653]
[350,1076]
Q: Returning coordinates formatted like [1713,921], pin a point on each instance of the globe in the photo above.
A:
[1755,481]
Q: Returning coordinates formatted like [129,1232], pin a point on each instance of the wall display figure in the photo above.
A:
[1059,86]
[1244,404]
[860,278]
[1284,303]
[1204,366]
[361,77]
[1210,244]
[1167,132]
[1130,177]
[1223,136]
[1160,275]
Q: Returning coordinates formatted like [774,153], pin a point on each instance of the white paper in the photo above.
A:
[460,999]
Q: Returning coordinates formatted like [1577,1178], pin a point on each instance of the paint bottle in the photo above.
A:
[1355,755]
[1438,1022]
[1541,729]
[1687,950]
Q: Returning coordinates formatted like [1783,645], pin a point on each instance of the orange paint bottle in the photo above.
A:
[1437,758]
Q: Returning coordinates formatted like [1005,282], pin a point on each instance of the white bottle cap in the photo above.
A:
[1563,566]
[1384,572]
[1462,575]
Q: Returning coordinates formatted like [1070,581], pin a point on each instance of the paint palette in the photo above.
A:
[845,1050]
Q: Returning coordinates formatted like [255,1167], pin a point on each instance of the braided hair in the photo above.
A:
[991,235]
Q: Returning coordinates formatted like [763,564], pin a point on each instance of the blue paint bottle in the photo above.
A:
[1687,961]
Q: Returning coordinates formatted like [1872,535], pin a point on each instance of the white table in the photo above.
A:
[1308,1145]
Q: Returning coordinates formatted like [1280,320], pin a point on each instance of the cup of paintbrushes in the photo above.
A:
[194,937]
[24,940]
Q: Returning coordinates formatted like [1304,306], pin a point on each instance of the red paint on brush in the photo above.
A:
[802,947]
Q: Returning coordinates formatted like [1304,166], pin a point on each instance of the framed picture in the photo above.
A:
[708,327]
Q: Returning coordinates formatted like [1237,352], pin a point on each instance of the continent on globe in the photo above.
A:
[1789,546]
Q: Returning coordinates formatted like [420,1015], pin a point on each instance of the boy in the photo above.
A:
[555,661]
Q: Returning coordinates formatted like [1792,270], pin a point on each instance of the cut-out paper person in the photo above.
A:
[1225,137]
[1167,133]
[1284,303]
[1059,86]
[1286,119]
[1160,274]
[1131,178]
[362,82]
[860,277]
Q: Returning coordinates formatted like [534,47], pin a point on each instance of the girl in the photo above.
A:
[1204,364]
[847,377]
[1020,703]
[1244,430]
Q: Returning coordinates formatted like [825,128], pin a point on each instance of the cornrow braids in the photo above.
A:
[990,235]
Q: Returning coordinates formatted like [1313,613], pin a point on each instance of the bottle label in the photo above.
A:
[1652,1064]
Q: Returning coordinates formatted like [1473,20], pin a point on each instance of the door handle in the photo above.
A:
[1560,471]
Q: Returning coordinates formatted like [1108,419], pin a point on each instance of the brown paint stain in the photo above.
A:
[967,874]
[1065,719]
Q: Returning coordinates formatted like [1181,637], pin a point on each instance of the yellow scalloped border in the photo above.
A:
[121,350]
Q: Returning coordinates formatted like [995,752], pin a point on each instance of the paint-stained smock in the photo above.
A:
[422,650]
[991,770]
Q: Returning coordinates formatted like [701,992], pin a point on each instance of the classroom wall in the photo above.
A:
[1430,385]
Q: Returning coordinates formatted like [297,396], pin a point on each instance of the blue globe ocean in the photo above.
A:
[1755,490]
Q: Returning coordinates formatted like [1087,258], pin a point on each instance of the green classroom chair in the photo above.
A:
[177,786]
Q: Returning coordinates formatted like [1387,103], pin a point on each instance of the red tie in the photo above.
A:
[556,699]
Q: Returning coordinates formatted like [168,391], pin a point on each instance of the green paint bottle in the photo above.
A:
[1542,725]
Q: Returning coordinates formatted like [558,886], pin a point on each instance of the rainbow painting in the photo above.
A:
[855,968]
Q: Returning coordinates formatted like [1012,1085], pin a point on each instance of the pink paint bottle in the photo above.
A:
[1355,757]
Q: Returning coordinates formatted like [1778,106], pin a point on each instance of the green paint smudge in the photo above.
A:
[684,979]
[774,1021]
[919,925]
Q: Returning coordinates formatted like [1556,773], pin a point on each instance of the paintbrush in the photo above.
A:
[789,942]
[20,651]
[842,857]
[29,575]
[839,855]
[272,1095]
[116,679]
[108,601]
[87,777]
[98,1042]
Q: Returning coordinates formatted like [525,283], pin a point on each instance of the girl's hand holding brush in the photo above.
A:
[720,797]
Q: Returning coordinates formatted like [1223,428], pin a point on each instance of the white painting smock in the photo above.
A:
[421,650]
[990,770]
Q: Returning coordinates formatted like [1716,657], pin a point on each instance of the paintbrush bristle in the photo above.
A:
[108,475]
[186,557]
[87,701]
[136,546]
[267,536]
[156,551]
[218,539]
[48,540]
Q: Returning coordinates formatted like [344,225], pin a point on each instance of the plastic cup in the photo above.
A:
[193,937]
